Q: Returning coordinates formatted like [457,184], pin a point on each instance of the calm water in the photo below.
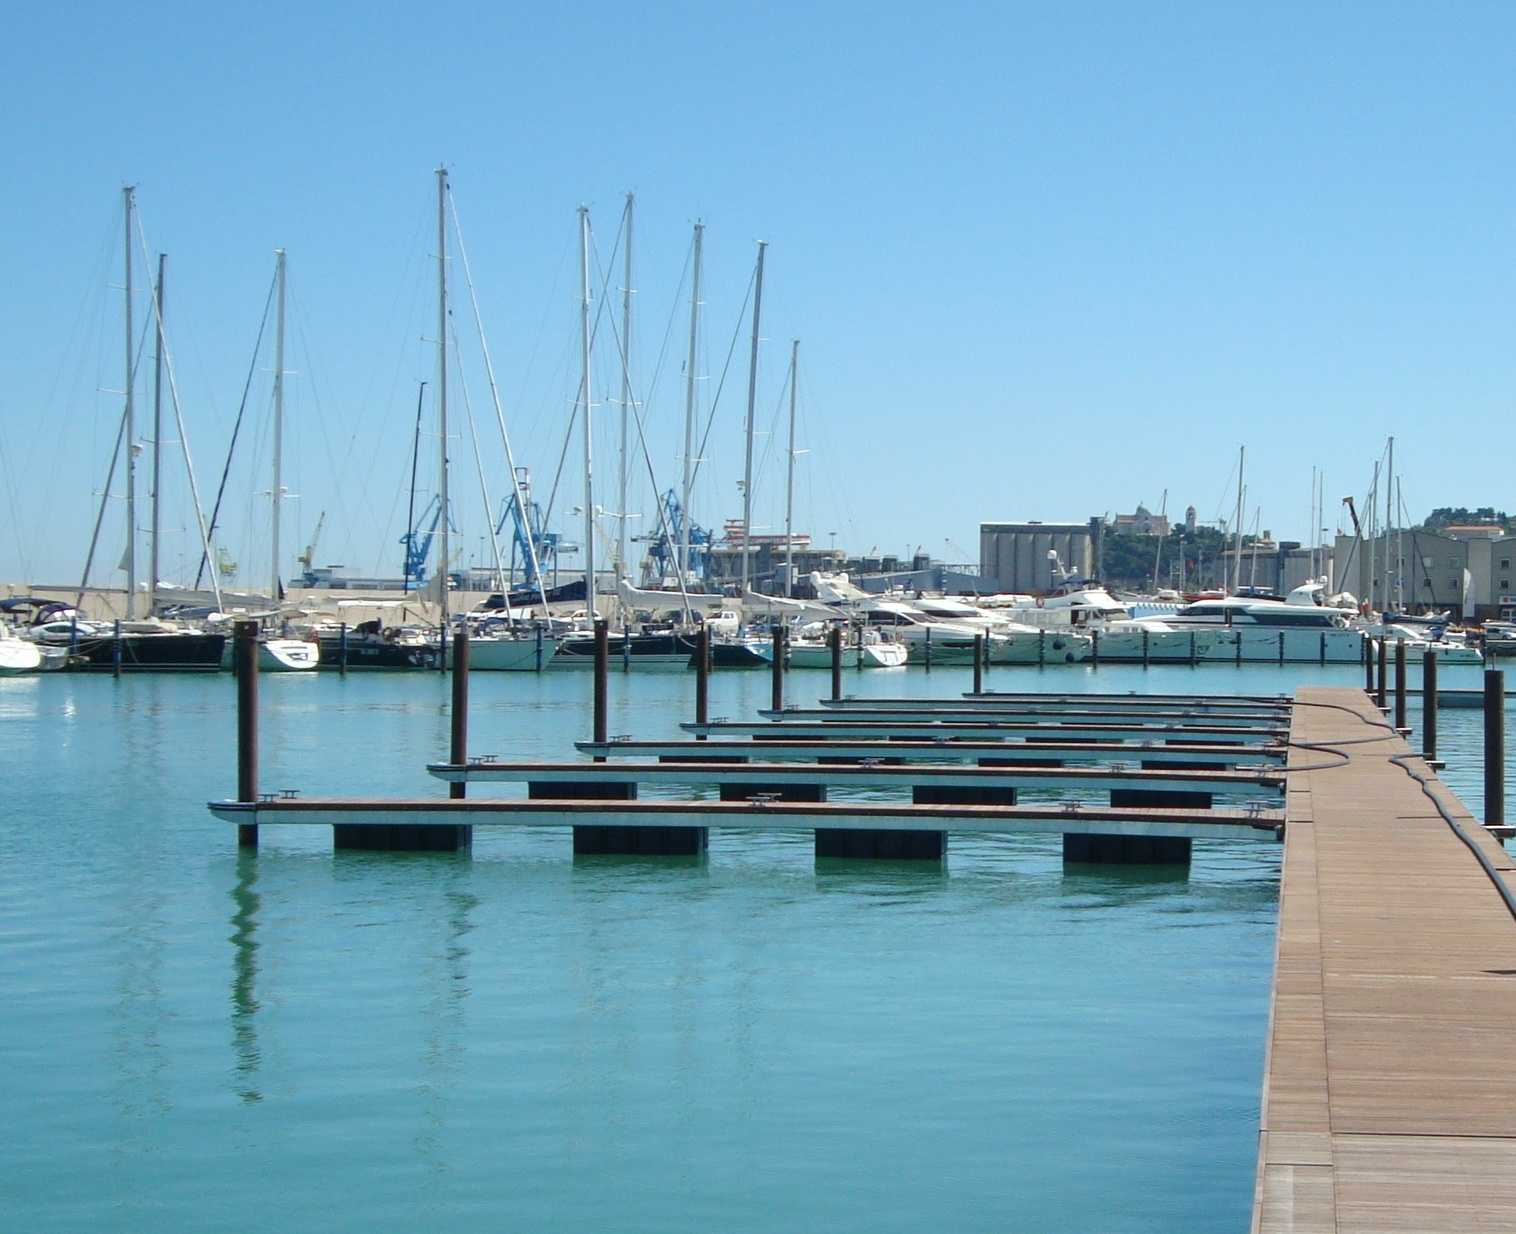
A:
[197,1039]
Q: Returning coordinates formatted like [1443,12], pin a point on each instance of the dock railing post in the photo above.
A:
[1429,706]
[458,754]
[602,668]
[1382,682]
[777,670]
[1494,748]
[245,666]
[978,664]
[702,677]
[835,638]
[1400,686]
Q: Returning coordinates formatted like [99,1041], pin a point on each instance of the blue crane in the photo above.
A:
[418,541]
[527,531]
[663,547]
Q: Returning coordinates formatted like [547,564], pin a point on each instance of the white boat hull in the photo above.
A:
[17,656]
[288,655]
[884,655]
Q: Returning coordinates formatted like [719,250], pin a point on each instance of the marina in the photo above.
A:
[877,622]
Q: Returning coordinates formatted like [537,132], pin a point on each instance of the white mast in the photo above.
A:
[584,389]
[444,556]
[152,561]
[626,389]
[1389,524]
[1237,555]
[689,414]
[129,192]
[276,491]
[1374,539]
[752,394]
[789,488]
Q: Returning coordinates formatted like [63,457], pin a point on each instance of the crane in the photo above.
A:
[527,532]
[663,548]
[418,542]
[308,558]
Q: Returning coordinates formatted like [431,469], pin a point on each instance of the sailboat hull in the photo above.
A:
[151,653]
[643,652]
[510,655]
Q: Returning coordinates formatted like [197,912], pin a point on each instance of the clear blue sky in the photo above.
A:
[1045,261]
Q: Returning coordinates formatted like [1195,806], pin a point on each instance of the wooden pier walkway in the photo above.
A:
[1388,1101]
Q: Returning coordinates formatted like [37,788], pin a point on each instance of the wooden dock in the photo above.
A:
[1388,1101]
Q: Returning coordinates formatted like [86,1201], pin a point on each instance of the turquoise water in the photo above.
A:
[195,1038]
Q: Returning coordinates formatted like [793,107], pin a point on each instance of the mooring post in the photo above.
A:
[702,677]
[342,650]
[458,755]
[1192,649]
[539,646]
[836,645]
[442,644]
[116,648]
[929,646]
[1094,648]
[1144,647]
[1494,747]
[1400,686]
[1429,707]
[626,648]
[1382,676]
[602,669]
[978,664]
[777,670]
[1042,648]
[1368,664]
[245,666]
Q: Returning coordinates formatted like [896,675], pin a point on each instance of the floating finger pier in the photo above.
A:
[1120,778]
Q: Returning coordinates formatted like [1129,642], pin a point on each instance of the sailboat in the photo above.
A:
[133,645]
[646,648]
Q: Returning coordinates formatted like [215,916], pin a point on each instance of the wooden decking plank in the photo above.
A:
[1388,1102]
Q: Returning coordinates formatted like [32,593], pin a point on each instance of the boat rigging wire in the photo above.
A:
[237,425]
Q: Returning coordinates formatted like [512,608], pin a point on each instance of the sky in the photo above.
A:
[1044,261]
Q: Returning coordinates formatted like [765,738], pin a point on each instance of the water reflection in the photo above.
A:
[244,938]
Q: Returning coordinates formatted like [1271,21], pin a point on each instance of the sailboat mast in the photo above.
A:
[444,556]
[1242,452]
[689,412]
[752,394]
[1389,522]
[789,487]
[152,561]
[626,390]
[584,390]
[278,481]
[129,192]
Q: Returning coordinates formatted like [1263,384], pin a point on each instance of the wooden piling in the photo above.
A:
[245,666]
[1382,676]
[835,640]
[1094,648]
[458,752]
[602,668]
[1400,685]
[978,664]
[1368,664]
[342,650]
[776,670]
[1494,748]
[702,676]
[1429,706]
[116,649]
